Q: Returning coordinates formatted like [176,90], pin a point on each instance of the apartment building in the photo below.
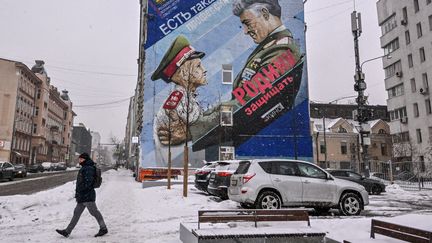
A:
[35,120]
[83,139]
[18,95]
[406,36]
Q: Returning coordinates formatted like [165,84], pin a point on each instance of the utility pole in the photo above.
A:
[362,114]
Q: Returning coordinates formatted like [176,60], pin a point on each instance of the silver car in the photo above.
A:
[273,183]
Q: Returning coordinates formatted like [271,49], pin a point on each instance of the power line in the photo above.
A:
[86,71]
[329,6]
[103,104]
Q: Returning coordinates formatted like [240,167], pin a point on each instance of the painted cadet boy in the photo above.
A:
[261,20]
[182,66]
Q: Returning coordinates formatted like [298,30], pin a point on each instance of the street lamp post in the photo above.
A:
[324,135]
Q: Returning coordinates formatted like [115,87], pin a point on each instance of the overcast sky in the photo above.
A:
[90,48]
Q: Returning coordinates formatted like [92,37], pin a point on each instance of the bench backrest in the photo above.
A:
[400,232]
[251,215]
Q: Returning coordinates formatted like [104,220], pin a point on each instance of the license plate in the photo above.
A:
[233,183]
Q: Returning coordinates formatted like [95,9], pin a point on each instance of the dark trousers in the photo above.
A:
[93,210]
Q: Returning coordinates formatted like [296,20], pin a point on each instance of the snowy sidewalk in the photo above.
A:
[134,214]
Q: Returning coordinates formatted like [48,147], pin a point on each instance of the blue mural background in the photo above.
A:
[218,33]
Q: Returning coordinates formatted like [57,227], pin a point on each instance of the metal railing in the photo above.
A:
[409,175]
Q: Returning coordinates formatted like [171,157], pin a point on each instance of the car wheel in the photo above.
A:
[247,205]
[321,210]
[376,190]
[350,204]
[268,200]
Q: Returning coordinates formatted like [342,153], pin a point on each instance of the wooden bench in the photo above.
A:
[251,215]
[400,232]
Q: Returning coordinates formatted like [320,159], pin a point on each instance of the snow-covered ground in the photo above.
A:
[134,214]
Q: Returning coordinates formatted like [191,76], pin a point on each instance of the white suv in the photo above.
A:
[273,183]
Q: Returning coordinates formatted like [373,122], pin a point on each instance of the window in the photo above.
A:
[226,116]
[419,30]
[311,171]
[392,69]
[428,1]
[34,128]
[430,22]
[226,153]
[398,113]
[425,81]
[428,106]
[342,130]
[422,54]
[410,61]
[407,37]
[396,91]
[227,74]
[382,131]
[405,14]
[285,168]
[392,46]
[416,110]
[413,85]
[383,149]
[419,136]
[388,25]
[344,148]
[416,6]
[322,147]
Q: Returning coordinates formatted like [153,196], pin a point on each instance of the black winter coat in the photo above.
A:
[85,191]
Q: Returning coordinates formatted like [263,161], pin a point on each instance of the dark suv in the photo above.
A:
[372,186]
[202,176]
[220,178]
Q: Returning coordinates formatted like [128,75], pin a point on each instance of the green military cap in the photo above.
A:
[179,51]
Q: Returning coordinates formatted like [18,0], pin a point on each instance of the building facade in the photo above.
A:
[254,101]
[406,36]
[82,138]
[35,119]
[18,96]
[339,146]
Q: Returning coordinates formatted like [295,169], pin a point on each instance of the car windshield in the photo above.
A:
[354,175]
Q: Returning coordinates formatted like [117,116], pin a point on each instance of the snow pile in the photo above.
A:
[134,214]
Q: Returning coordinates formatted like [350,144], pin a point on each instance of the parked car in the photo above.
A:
[48,166]
[372,186]
[61,166]
[219,179]
[20,170]
[6,170]
[35,168]
[202,175]
[271,184]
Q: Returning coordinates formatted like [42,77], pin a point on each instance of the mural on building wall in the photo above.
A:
[226,76]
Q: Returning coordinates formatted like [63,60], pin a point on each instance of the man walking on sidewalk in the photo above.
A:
[85,196]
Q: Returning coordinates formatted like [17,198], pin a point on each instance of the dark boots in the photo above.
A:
[102,231]
[63,232]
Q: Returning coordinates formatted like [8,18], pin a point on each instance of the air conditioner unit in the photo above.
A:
[404,119]
[404,22]
[424,91]
[399,74]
